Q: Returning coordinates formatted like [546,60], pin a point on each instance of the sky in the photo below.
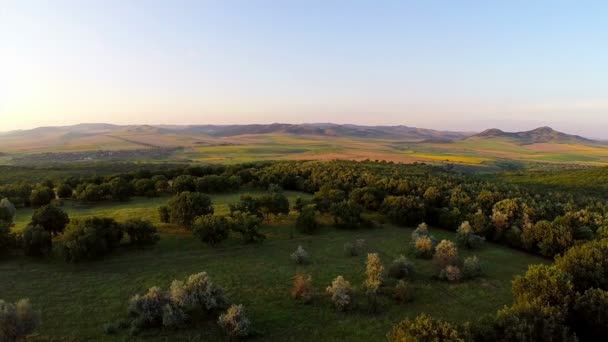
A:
[452,65]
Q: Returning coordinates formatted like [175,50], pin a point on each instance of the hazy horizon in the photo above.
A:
[464,66]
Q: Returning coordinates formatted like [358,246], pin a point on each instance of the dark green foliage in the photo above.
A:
[217,183]
[589,317]
[404,210]
[274,203]
[64,191]
[211,229]
[185,207]
[248,226]
[90,238]
[306,222]
[91,192]
[471,268]
[369,197]
[247,204]
[140,232]
[7,238]
[120,189]
[145,187]
[402,268]
[347,214]
[41,195]
[183,183]
[163,213]
[326,197]
[51,218]
[6,216]
[37,241]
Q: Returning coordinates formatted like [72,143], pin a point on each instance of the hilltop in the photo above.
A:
[535,136]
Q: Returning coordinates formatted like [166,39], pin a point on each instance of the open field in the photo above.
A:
[476,151]
[77,300]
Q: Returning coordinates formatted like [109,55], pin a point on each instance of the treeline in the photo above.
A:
[543,222]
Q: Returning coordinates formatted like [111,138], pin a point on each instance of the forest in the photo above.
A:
[384,237]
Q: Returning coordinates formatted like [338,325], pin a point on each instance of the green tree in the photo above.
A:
[424,329]
[140,232]
[306,222]
[37,241]
[211,229]
[185,207]
[51,218]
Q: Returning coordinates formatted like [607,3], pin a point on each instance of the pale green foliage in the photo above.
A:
[471,268]
[420,231]
[355,249]
[340,291]
[235,322]
[300,256]
[197,292]
[17,320]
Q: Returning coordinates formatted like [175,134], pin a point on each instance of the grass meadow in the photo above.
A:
[78,299]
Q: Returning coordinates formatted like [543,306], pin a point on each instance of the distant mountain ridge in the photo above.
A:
[539,135]
[327,129]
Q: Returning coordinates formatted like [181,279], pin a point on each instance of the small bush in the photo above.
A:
[141,233]
[235,322]
[450,273]
[17,320]
[401,268]
[446,253]
[211,229]
[163,213]
[306,222]
[147,310]
[422,329]
[466,238]
[37,241]
[374,272]
[421,231]
[300,256]
[197,293]
[423,247]
[471,268]
[403,292]
[355,249]
[302,290]
[248,225]
[341,292]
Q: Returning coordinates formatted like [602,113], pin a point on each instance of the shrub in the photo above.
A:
[148,310]
[300,256]
[450,273]
[37,241]
[7,238]
[341,292]
[185,207]
[17,320]
[197,293]
[423,247]
[471,268]
[51,218]
[163,213]
[466,238]
[211,229]
[90,238]
[446,253]
[302,290]
[355,249]
[248,225]
[424,329]
[235,322]
[64,191]
[306,222]
[373,271]
[403,292]
[401,268]
[140,232]
[421,231]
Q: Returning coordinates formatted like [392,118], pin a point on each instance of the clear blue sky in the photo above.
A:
[461,65]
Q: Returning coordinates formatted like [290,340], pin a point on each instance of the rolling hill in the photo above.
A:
[239,143]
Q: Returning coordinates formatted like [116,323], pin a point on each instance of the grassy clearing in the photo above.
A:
[77,300]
